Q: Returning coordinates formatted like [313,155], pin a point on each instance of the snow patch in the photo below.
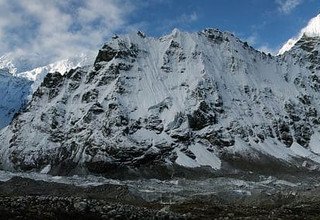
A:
[303,152]
[46,169]
[315,143]
[185,161]
[205,157]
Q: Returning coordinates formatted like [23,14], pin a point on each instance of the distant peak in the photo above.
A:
[311,30]
[313,27]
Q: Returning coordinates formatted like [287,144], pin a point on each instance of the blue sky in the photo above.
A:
[57,29]
[266,24]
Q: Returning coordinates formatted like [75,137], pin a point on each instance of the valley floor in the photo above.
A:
[39,196]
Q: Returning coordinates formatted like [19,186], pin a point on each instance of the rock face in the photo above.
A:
[147,106]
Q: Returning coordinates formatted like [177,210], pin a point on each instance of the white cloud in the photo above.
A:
[267,49]
[255,41]
[252,39]
[194,17]
[187,18]
[57,29]
[287,6]
[181,21]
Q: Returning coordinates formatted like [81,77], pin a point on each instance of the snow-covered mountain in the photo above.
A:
[6,64]
[13,95]
[311,30]
[37,74]
[25,68]
[18,81]
[153,106]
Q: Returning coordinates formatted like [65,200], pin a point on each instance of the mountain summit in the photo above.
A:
[311,30]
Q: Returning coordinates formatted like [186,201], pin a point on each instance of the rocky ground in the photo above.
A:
[23,198]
